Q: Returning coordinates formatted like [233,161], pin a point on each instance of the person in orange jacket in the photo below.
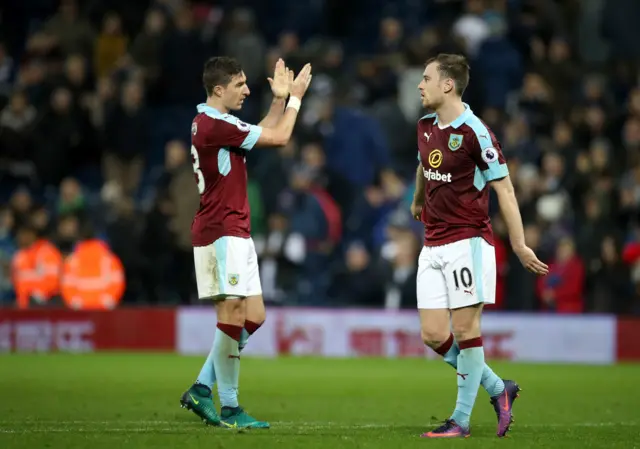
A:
[36,268]
[93,277]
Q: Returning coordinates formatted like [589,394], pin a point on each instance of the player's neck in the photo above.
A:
[449,111]
[211,102]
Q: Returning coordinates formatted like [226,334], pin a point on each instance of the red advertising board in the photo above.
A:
[321,332]
[48,330]
[628,339]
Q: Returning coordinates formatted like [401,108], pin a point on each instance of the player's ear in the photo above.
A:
[218,90]
[448,85]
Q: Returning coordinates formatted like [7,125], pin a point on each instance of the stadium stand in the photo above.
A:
[96,100]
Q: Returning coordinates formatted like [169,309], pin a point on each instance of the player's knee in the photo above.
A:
[257,316]
[433,337]
[231,311]
[256,311]
[465,330]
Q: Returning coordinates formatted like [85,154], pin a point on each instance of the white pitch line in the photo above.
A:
[161,426]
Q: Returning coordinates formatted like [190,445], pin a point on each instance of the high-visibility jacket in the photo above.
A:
[92,278]
[36,272]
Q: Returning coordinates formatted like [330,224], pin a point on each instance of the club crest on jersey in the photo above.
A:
[455,141]
[233,279]
[242,126]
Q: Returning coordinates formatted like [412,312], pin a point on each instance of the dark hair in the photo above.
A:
[218,71]
[27,227]
[455,67]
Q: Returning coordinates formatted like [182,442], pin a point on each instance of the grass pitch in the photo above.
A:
[131,401]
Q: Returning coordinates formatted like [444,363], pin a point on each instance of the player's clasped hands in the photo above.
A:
[280,83]
[301,83]
[283,82]
[531,262]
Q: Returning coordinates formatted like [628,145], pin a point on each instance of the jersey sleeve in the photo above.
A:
[230,131]
[487,152]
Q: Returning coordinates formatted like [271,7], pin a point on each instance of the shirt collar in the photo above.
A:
[459,121]
[204,108]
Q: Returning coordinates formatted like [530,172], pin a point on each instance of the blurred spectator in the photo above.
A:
[147,46]
[401,272]
[156,258]
[472,27]
[7,250]
[21,204]
[6,70]
[71,32]
[16,121]
[243,42]
[609,291]
[560,71]
[181,70]
[185,200]
[562,291]
[41,221]
[521,285]
[314,216]
[36,268]
[358,281]
[280,254]
[61,136]
[123,234]
[111,45]
[127,137]
[350,139]
[93,277]
[591,235]
[535,103]
[100,103]
[67,233]
[76,79]
[72,200]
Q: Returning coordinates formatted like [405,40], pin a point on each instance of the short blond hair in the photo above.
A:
[455,67]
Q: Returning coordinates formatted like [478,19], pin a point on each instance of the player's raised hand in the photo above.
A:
[280,82]
[531,262]
[301,82]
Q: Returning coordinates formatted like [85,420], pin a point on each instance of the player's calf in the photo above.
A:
[466,328]
[226,353]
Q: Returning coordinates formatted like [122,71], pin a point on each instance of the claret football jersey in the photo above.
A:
[458,161]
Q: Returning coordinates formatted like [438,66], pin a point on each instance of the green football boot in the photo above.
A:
[237,418]
[199,400]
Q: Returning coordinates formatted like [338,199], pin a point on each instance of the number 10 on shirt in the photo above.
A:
[465,277]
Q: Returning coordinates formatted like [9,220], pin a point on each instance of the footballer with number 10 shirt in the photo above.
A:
[226,263]
[459,157]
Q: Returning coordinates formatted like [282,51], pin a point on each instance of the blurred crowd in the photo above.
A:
[96,100]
